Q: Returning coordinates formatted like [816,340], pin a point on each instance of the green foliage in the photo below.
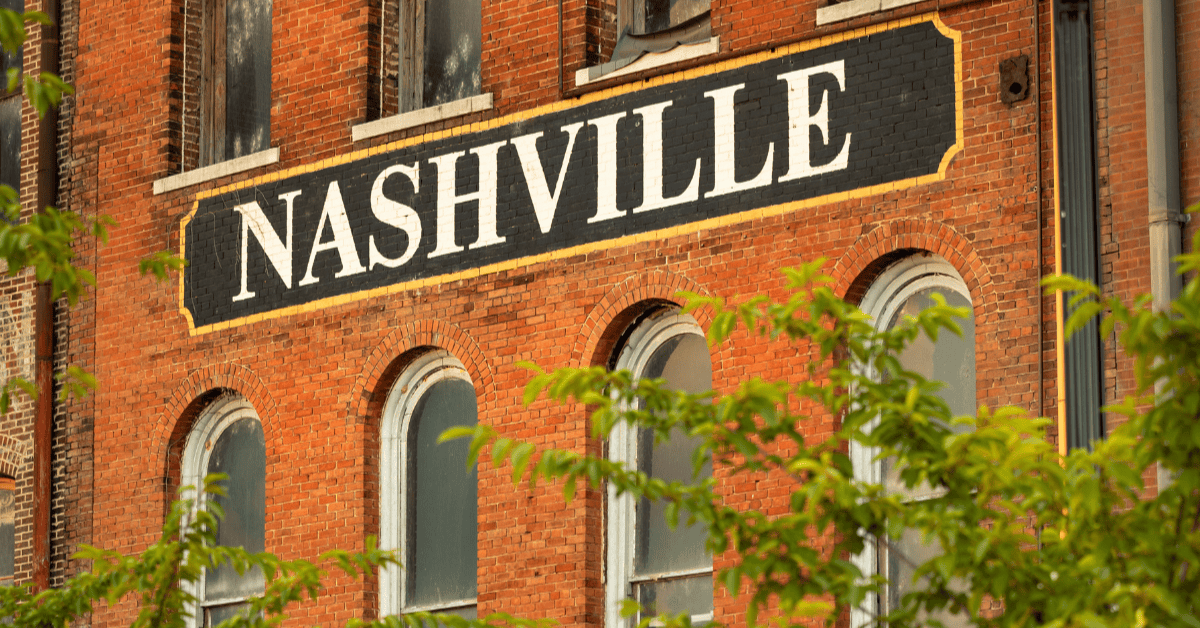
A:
[46,242]
[1062,541]
[159,580]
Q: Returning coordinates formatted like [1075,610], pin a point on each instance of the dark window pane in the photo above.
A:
[247,77]
[214,615]
[693,594]
[12,59]
[8,539]
[951,360]
[684,362]
[452,50]
[663,14]
[901,566]
[441,498]
[240,453]
[10,142]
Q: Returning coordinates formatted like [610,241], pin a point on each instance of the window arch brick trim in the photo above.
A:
[184,405]
[388,359]
[13,454]
[228,376]
[857,268]
[622,304]
[419,372]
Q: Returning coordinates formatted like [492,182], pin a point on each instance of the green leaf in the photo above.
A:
[520,460]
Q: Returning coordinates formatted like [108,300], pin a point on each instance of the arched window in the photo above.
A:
[904,289]
[429,503]
[228,438]
[667,571]
[8,535]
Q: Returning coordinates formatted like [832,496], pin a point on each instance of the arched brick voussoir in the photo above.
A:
[916,234]
[367,391]
[14,452]
[181,403]
[639,288]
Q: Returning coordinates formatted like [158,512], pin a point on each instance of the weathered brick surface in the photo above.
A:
[318,379]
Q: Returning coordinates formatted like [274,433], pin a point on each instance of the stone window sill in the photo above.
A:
[854,8]
[216,171]
[410,119]
[648,61]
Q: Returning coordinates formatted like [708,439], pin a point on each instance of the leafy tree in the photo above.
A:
[1060,541]
[186,548]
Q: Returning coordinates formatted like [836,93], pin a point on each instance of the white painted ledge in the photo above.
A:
[409,119]
[216,171]
[854,8]
[648,61]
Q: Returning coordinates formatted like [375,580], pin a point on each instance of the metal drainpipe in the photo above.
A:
[1162,158]
[47,191]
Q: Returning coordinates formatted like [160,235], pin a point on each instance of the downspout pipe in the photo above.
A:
[1162,150]
[1162,161]
[43,432]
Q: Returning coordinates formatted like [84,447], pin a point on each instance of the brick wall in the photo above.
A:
[319,378]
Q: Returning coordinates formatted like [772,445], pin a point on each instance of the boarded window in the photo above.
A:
[236,98]
[440,52]
[659,25]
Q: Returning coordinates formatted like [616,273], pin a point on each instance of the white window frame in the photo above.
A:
[647,337]
[886,295]
[416,380]
[212,422]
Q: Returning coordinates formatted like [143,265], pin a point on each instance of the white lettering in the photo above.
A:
[448,198]
[334,215]
[606,168]
[799,121]
[652,163]
[724,164]
[544,203]
[280,255]
[395,214]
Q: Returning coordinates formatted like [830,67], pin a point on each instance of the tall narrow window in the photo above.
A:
[667,571]
[905,289]
[228,438]
[439,52]
[10,113]
[8,532]
[429,504]
[236,89]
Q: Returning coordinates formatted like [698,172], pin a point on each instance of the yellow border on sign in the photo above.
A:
[583,249]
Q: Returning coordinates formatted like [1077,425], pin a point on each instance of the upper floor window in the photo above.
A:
[429,503]
[905,289]
[10,113]
[236,79]
[228,438]
[439,52]
[658,25]
[665,570]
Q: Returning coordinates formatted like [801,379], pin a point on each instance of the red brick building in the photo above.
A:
[386,204]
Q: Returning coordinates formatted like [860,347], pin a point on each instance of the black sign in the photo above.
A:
[863,112]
